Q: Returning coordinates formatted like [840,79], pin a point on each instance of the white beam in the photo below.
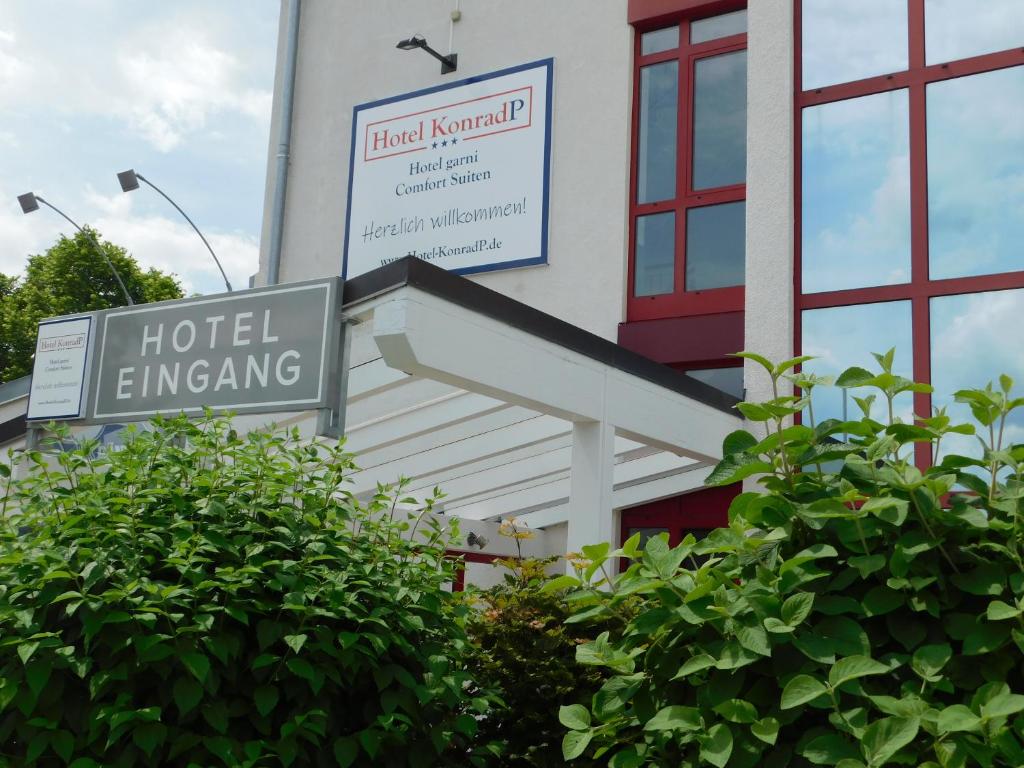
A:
[425,336]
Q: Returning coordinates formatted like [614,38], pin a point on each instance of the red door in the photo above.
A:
[698,513]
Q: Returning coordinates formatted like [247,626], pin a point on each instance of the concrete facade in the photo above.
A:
[347,56]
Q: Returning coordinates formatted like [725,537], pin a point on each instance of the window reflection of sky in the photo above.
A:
[955,29]
[856,193]
[975,338]
[656,161]
[844,41]
[976,174]
[841,337]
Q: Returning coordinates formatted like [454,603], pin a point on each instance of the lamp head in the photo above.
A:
[28,202]
[128,180]
[412,43]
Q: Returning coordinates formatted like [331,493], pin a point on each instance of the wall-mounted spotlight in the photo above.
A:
[449,63]
[30,202]
[129,181]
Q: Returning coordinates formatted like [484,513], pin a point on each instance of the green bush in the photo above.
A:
[201,598]
[857,612]
[523,645]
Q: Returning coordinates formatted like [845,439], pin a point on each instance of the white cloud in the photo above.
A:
[171,245]
[172,90]
[164,243]
[166,79]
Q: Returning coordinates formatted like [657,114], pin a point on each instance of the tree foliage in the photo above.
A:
[855,612]
[523,648]
[72,276]
[200,598]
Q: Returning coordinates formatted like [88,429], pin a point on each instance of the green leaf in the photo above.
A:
[1000,611]
[187,694]
[854,377]
[346,750]
[829,749]
[197,664]
[737,711]
[575,717]
[662,560]
[881,600]
[759,359]
[574,743]
[265,697]
[797,608]
[63,743]
[986,579]
[25,651]
[295,642]
[801,690]
[559,583]
[813,552]
[739,441]
[674,718]
[1003,705]
[149,736]
[626,758]
[928,660]
[37,673]
[985,638]
[754,639]
[957,718]
[716,747]
[695,664]
[884,738]
[852,667]
[778,626]
[766,729]
[736,467]
[867,564]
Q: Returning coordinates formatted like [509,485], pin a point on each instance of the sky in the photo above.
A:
[180,91]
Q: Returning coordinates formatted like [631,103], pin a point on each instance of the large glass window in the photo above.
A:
[976,174]
[845,41]
[655,250]
[687,234]
[715,241]
[974,336]
[912,195]
[720,120]
[656,152]
[841,337]
[957,29]
[856,193]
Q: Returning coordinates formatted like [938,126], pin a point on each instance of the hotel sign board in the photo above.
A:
[456,175]
[257,351]
[60,371]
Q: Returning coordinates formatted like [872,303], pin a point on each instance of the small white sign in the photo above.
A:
[456,175]
[60,369]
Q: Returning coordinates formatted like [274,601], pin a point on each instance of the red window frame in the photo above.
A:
[680,302]
[921,288]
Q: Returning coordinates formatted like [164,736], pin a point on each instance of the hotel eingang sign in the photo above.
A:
[456,175]
[259,351]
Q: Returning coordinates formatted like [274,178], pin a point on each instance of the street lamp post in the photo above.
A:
[30,202]
[129,180]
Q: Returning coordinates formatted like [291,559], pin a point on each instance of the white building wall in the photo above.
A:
[347,56]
